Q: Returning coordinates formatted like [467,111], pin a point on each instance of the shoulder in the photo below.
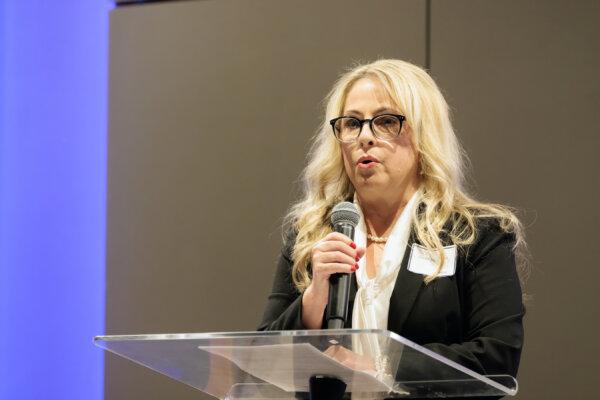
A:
[490,235]
[289,240]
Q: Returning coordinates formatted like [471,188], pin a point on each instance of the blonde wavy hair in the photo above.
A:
[448,210]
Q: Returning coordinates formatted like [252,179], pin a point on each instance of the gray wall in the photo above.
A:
[213,103]
[522,78]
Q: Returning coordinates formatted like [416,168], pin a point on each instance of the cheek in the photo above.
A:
[403,161]
[347,163]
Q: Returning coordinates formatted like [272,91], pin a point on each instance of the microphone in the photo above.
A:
[344,219]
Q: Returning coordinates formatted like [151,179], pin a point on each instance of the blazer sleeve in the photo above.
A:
[284,304]
[492,308]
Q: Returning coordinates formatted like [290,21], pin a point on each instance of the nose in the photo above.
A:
[366,138]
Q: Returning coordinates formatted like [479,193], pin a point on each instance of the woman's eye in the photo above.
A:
[351,123]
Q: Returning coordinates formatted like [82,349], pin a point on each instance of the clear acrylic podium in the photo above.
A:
[278,365]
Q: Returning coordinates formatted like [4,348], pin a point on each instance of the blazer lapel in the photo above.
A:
[405,292]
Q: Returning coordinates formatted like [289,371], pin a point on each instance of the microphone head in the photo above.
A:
[345,212]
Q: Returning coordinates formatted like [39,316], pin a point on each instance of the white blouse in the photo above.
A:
[372,301]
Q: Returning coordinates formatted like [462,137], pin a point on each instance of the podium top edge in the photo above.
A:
[216,335]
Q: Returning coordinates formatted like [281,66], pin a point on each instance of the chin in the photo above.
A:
[371,181]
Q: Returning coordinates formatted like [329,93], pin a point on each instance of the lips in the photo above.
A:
[367,159]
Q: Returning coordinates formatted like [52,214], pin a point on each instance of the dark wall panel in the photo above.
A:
[522,79]
[212,104]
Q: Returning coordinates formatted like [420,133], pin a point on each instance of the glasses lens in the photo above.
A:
[347,128]
[387,126]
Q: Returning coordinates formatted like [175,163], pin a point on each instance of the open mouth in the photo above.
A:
[367,164]
[367,160]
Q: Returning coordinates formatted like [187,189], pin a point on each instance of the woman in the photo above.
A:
[431,263]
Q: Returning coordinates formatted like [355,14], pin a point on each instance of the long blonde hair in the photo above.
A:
[441,165]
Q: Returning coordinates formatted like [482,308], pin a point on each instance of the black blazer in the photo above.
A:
[474,317]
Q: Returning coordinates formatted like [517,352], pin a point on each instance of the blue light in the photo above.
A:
[53,86]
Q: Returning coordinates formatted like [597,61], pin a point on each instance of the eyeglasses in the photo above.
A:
[384,127]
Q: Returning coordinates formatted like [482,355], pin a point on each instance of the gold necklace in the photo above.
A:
[377,239]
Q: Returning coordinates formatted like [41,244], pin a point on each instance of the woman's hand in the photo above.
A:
[335,253]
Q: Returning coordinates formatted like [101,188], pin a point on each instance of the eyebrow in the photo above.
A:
[376,112]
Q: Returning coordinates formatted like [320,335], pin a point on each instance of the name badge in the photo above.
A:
[424,262]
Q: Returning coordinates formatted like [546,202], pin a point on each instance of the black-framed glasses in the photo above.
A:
[384,127]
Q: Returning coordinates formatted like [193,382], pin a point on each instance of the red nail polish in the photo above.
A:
[357,258]
[356,266]
[353,245]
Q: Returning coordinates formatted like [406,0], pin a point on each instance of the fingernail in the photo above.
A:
[356,266]
[353,245]
[357,257]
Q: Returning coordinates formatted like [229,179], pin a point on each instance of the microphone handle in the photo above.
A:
[339,289]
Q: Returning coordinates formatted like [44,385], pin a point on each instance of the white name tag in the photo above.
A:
[424,262]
